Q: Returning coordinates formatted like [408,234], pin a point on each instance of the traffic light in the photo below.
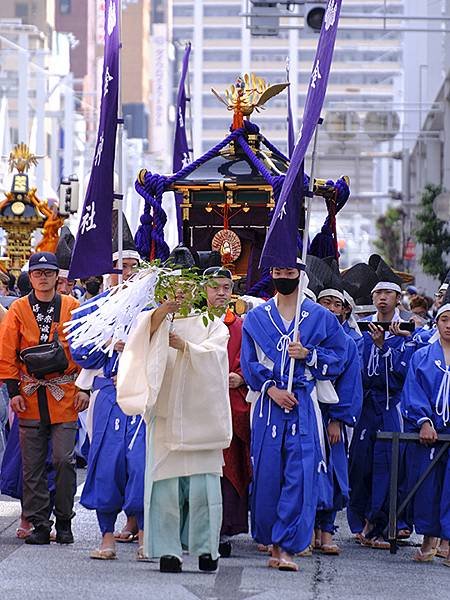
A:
[264,19]
[68,195]
[314,14]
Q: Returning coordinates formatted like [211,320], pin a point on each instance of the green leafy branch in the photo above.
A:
[188,287]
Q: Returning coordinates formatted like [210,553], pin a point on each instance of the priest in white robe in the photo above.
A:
[176,375]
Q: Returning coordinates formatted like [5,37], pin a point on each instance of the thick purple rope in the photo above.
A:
[152,228]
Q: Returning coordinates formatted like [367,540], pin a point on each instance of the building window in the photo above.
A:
[222,33]
[65,7]
[21,10]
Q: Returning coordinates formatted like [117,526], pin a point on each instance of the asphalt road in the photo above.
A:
[67,573]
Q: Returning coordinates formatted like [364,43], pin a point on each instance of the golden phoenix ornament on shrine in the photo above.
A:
[248,94]
[22,159]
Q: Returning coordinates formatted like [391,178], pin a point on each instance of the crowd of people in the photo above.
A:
[196,429]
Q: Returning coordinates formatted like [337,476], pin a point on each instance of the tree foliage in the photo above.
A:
[388,244]
[433,234]
[188,287]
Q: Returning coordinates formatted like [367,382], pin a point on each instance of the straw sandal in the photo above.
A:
[308,551]
[273,563]
[420,556]
[103,554]
[380,544]
[287,565]
[125,536]
[330,549]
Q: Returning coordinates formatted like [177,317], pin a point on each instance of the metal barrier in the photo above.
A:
[394,512]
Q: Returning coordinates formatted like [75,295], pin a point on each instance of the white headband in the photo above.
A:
[331,292]
[349,299]
[63,273]
[443,288]
[387,285]
[443,309]
[127,254]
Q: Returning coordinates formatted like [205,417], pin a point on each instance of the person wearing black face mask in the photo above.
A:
[286,454]
[286,281]
[93,286]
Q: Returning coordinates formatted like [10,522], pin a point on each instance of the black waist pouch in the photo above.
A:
[44,359]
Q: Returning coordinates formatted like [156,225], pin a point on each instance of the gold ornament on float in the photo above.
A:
[228,244]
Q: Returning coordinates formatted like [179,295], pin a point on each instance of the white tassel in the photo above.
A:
[115,312]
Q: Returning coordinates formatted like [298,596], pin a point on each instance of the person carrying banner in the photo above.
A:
[286,449]
[386,358]
[36,364]
[237,469]
[116,461]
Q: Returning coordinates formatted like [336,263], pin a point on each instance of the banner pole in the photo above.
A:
[302,284]
[189,107]
[119,194]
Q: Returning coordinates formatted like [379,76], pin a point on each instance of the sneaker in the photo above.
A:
[64,533]
[39,537]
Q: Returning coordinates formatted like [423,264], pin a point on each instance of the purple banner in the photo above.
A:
[280,248]
[92,253]
[180,145]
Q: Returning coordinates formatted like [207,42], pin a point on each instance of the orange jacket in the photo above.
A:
[18,331]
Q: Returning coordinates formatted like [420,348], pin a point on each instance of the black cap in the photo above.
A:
[64,249]
[214,272]
[43,260]
[181,257]
[360,279]
[320,274]
[383,270]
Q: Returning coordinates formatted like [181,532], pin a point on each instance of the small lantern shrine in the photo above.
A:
[21,212]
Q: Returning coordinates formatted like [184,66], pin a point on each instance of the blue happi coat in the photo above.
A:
[285,447]
[422,335]
[384,372]
[348,386]
[116,461]
[426,397]
[356,337]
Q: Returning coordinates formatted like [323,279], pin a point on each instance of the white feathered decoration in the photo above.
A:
[115,312]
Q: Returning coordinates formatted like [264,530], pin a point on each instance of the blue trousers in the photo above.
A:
[107,521]
[431,503]
[116,462]
[286,455]
[369,468]
[325,520]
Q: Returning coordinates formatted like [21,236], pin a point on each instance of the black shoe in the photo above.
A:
[64,533]
[206,563]
[170,564]
[225,549]
[39,537]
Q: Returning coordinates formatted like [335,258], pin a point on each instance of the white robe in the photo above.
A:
[183,395]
